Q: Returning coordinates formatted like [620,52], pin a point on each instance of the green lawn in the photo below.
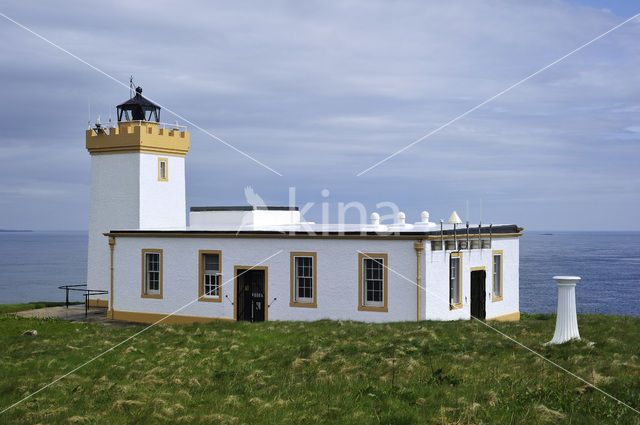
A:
[320,372]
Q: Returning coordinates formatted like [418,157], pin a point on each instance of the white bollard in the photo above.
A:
[567,320]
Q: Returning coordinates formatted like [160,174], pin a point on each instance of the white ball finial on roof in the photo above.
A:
[375,218]
[454,219]
[401,218]
[424,221]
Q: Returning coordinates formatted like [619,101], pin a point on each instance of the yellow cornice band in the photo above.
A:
[138,137]
[287,235]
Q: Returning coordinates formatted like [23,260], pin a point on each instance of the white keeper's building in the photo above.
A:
[264,263]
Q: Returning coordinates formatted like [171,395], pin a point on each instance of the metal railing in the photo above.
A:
[172,126]
[87,293]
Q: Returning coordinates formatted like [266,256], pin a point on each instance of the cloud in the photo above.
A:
[320,91]
[31,192]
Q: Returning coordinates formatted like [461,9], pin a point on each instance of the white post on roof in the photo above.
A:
[567,320]
[375,219]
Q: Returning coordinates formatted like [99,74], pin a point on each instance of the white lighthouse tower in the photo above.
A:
[137,182]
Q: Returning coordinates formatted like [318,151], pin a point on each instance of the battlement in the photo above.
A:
[138,136]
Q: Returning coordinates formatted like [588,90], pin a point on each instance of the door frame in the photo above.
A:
[235,289]
[478,269]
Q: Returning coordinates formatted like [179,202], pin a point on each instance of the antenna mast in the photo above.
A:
[467,205]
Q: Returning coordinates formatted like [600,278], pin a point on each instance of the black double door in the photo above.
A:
[250,301]
[478,294]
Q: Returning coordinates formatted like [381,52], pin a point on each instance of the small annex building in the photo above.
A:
[265,263]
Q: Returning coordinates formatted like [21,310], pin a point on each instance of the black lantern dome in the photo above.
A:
[138,108]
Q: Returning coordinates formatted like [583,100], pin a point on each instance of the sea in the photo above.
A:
[34,264]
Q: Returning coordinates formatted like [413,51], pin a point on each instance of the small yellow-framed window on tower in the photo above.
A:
[163,169]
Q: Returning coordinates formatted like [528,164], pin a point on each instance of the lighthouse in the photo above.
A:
[137,181]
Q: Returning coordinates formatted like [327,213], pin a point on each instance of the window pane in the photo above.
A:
[454,280]
[497,269]
[303,279]
[154,281]
[211,276]
[373,285]
[163,169]
[211,262]
[153,261]
[212,285]
[305,289]
[152,271]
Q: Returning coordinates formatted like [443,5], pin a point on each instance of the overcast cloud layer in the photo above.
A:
[322,90]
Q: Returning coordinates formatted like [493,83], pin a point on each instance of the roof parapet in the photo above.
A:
[139,136]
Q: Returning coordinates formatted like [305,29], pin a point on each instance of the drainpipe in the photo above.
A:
[112,245]
[418,246]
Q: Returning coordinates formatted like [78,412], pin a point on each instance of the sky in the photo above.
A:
[320,91]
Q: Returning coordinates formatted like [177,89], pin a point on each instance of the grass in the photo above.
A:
[12,308]
[320,372]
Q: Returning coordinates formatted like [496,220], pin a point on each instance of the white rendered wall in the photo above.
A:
[337,276]
[113,203]
[270,217]
[162,203]
[511,279]
[126,194]
[233,219]
[212,219]
[436,282]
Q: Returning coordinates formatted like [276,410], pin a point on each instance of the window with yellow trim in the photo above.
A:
[163,169]
[303,279]
[373,282]
[497,276]
[209,286]
[152,273]
[455,280]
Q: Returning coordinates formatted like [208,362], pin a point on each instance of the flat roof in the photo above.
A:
[346,230]
[245,208]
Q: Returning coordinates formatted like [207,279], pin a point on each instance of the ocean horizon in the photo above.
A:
[33,264]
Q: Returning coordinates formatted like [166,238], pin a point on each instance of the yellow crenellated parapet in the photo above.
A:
[136,136]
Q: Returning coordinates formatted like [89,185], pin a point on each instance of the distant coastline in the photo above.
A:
[14,231]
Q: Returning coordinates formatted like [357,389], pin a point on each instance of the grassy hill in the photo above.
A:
[320,372]
[11,308]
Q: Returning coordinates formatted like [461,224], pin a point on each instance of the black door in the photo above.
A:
[478,294]
[250,299]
